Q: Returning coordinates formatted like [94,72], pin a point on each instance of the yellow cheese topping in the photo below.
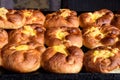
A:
[65,12]
[95,16]
[92,17]
[27,13]
[104,53]
[29,31]
[3,13]
[61,35]
[20,47]
[89,18]
[34,18]
[94,31]
[61,49]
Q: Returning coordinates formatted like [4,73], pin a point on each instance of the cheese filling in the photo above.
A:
[29,31]
[65,13]
[104,54]
[3,13]
[61,35]
[27,13]
[95,16]
[34,19]
[20,47]
[61,49]
[94,31]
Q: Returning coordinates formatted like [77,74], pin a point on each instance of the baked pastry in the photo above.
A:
[102,60]
[28,33]
[3,38]
[59,59]
[69,36]
[22,58]
[117,44]
[11,19]
[3,41]
[14,19]
[33,16]
[100,17]
[96,36]
[0,58]
[63,17]
[116,21]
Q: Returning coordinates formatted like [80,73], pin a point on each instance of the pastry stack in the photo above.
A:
[60,42]
[30,40]
[23,43]
[101,35]
[63,39]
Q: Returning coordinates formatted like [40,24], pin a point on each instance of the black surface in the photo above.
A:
[52,76]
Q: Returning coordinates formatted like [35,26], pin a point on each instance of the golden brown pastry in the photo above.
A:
[11,19]
[116,21]
[117,44]
[3,41]
[102,60]
[22,58]
[100,17]
[69,36]
[33,16]
[0,58]
[59,59]
[28,33]
[14,19]
[96,36]
[3,38]
[63,17]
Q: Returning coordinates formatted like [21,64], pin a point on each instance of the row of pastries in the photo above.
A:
[30,40]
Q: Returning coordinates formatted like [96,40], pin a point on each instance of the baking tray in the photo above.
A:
[43,75]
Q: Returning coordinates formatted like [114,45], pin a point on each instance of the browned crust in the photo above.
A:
[37,17]
[0,58]
[3,38]
[16,18]
[73,37]
[99,18]
[108,36]
[54,19]
[101,65]
[59,63]
[22,61]
[116,21]
[16,36]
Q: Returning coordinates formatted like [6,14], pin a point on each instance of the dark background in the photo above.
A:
[91,5]
[54,5]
